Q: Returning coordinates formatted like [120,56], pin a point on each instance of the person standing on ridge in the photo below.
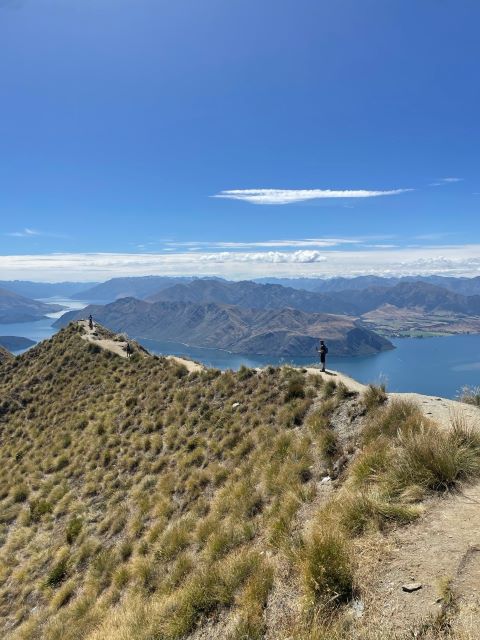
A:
[90,322]
[323,354]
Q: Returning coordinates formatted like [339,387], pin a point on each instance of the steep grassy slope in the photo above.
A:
[124,479]
[140,502]
[5,355]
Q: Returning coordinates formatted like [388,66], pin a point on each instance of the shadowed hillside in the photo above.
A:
[17,308]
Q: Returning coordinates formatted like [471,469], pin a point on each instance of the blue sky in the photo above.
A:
[343,137]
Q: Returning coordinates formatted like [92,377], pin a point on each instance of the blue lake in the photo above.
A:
[434,366]
[41,329]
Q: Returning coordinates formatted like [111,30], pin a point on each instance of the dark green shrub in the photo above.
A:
[20,494]
[244,373]
[295,389]
[39,508]
[73,529]
[58,573]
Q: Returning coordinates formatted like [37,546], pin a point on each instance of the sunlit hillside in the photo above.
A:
[140,501]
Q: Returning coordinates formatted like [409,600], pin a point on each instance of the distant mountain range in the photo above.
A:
[284,332]
[351,296]
[145,286]
[116,288]
[16,308]
[45,289]
[411,295]
[420,295]
[464,286]
[251,295]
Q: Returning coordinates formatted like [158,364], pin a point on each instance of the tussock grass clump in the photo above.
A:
[368,510]
[328,443]
[20,493]
[329,388]
[374,396]
[470,395]
[58,572]
[434,459]
[327,567]
[407,451]
[295,388]
[342,392]
[372,464]
[398,415]
[406,456]
[73,529]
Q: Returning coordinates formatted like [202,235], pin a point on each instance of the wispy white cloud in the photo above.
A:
[33,233]
[265,244]
[433,237]
[380,246]
[25,233]
[288,196]
[443,181]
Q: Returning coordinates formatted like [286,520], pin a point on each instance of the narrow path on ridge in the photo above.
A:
[102,338]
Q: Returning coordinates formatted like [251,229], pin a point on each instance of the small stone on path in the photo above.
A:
[412,586]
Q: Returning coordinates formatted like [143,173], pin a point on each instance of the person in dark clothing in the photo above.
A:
[128,350]
[323,354]
[90,322]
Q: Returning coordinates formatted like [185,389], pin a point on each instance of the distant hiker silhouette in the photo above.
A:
[128,350]
[90,322]
[323,354]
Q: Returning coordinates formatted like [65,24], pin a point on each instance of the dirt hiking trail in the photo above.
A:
[440,410]
[103,339]
[442,548]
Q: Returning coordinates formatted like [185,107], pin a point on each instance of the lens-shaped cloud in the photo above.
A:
[288,196]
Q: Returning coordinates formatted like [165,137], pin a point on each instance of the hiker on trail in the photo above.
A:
[128,350]
[323,354]
[90,322]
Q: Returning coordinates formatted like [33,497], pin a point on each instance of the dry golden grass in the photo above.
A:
[133,492]
[140,502]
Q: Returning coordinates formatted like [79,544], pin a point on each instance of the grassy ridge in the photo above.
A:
[140,502]
[131,481]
